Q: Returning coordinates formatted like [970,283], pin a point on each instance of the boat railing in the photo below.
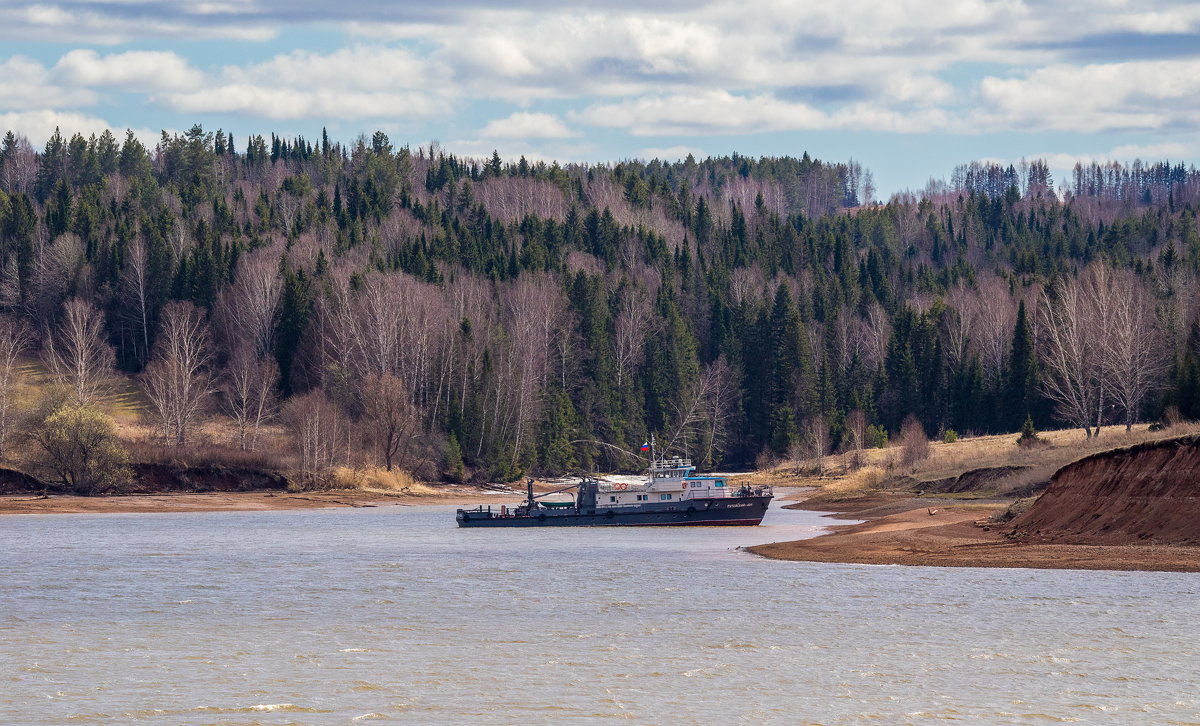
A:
[727,492]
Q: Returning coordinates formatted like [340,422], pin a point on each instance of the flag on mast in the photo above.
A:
[646,446]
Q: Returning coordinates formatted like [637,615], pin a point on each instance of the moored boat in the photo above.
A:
[670,495]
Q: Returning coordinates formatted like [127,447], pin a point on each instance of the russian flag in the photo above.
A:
[646,446]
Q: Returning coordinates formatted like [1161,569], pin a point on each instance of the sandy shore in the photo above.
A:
[243,501]
[901,531]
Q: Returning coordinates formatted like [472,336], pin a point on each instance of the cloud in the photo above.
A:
[718,112]
[523,125]
[39,125]
[351,83]
[116,21]
[133,70]
[25,84]
[671,153]
[299,103]
[1139,95]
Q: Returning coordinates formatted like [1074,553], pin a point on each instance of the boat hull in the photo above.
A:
[729,511]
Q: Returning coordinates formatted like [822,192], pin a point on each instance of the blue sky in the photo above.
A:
[908,88]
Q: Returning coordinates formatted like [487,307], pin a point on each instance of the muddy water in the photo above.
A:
[394,616]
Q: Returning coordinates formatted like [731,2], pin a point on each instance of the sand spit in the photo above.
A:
[1136,508]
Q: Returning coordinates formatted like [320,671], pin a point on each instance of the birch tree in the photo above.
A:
[14,340]
[179,380]
[1134,357]
[76,353]
[248,394]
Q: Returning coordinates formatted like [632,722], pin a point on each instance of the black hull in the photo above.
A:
[731,511]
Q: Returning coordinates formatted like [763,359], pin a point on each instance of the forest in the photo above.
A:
[482,319]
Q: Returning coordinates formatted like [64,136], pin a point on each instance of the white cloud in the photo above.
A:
[25,84]
[1142,95]
[133,70]
[38,126]
[721,112]
[298,103]
[671,153]
[351,83]
[523,125]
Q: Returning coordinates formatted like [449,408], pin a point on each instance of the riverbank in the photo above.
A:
[245,501]
[904,530]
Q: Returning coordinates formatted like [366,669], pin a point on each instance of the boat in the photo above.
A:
[670,495]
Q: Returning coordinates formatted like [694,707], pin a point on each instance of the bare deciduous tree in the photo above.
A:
[319,433]
[76,353]
[135,287]
[14,340]
[1135,359]
[248,394]
[856,437]
[249,308]
[632,324]
[1067,357]
[179,381]
[391,418]
[816,441]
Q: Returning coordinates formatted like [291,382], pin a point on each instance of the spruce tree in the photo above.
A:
[1021,375]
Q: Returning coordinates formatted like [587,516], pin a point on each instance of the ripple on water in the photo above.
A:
[648,626]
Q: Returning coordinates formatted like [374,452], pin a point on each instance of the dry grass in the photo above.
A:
[381,481]
[883,468]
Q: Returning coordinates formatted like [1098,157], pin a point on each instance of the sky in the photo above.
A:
[908,88]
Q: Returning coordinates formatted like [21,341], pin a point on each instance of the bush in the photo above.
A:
[950,436]
[1171,417]
[913,441]
[79,445]
[877,437]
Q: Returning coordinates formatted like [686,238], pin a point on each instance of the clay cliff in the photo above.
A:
[1144,494]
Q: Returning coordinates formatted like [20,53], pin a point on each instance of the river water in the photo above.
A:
[393,615]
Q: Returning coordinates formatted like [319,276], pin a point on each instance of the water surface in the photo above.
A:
[393,615]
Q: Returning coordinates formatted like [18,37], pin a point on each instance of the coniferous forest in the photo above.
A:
[486,318]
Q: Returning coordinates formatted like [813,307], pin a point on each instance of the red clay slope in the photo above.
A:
[1144,494]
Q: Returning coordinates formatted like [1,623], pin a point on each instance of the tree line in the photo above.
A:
[484,318]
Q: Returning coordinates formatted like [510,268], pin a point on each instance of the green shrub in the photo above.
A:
[950,436]
[877,437]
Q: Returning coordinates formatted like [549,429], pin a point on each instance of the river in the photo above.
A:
[393,615]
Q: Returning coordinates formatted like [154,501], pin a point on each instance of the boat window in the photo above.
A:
[720,482]
[612,499]
[664,497]
[695,485]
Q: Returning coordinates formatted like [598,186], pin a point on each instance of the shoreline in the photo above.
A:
[900,530]
[255,501]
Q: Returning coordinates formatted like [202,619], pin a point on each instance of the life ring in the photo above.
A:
[683,486]
[541,517]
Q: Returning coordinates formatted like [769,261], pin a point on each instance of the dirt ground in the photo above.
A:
[244,501]
[904,530]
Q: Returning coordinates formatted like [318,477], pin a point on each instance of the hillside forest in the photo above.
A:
[480,319]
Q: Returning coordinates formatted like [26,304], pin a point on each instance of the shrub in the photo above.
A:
[1171,417]
[877,437]
[79,445]
[913,441]
[950,436]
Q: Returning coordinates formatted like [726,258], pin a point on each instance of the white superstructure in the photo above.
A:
[669,480]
